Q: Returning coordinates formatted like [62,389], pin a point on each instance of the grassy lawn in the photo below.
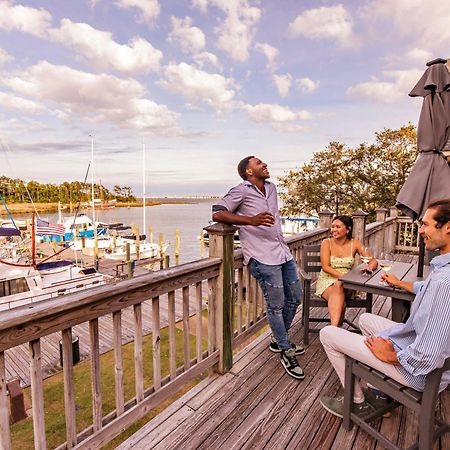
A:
[22,433]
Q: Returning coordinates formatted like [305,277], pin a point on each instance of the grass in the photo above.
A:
[22,433]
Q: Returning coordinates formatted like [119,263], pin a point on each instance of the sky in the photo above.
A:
[197,85]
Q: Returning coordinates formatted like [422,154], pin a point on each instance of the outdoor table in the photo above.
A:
[356,280]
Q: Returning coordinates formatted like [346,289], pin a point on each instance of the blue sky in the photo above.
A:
[203,83]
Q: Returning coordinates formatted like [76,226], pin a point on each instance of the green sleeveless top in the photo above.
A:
[341,265]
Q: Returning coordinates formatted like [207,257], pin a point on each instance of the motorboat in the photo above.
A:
[23,280]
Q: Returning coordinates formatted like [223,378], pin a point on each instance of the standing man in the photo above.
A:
[253,205]
[406,352]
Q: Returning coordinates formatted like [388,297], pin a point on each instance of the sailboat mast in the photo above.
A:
[92,179]
[143,190]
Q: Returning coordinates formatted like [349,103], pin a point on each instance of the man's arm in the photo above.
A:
[264,218]
[394,281]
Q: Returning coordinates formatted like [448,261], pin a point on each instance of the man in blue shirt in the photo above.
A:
[406,352]
[253,205]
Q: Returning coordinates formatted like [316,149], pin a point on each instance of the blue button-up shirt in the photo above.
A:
[265,244]
[423,342]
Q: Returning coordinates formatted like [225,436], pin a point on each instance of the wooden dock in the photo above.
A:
[258,406]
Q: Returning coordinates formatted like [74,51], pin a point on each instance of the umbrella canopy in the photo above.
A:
[429,179]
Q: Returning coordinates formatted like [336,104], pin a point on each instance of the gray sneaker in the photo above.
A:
[273,347]
[290,364]
[336,406]
[377,399]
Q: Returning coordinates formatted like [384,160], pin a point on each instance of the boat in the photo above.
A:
[80,225]
[24,281]
[289,226]
[99,203]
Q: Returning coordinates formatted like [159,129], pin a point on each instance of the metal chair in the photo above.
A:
[423,403]
[311,264]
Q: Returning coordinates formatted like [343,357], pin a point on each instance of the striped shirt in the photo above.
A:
[423,342]
[265,244]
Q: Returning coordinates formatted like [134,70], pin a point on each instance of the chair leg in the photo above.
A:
[369,300]
[306,321]
[348,394]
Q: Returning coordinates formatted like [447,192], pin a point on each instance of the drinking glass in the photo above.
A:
[365,259]
[386,262]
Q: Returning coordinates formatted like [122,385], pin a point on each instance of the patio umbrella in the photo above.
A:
[429,179]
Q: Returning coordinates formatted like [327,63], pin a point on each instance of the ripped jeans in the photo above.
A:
[283,292]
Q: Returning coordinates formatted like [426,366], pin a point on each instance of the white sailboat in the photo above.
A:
[146,250]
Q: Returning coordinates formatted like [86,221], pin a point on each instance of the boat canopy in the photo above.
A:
[53,265]
[5,231]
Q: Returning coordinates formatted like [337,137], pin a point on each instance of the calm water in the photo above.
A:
[188,218]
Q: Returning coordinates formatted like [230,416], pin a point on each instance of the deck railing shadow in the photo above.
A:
[235,312]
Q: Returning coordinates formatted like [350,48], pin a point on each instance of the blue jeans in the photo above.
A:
[283,292]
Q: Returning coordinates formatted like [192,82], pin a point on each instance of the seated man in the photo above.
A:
[406,352]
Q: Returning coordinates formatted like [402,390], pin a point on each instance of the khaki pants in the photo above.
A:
[338,342]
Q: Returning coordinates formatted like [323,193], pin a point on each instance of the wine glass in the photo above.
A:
[386,262]
[365,259]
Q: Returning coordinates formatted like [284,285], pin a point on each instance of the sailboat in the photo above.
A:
[145,249]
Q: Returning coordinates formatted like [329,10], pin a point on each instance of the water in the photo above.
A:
[188,218]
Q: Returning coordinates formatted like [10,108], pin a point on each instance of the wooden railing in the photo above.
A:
[227,300]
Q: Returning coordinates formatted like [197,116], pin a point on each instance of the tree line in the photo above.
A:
[19,191]
[344,179]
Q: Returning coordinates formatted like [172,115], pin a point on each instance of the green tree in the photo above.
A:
[344,179]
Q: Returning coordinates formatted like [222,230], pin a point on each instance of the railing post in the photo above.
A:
[382,239]
[221,240]
[325,217]
[359,225]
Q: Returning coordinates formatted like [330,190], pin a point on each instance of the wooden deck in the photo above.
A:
[258,406]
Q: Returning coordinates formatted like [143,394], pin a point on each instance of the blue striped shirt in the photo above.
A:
[423,342]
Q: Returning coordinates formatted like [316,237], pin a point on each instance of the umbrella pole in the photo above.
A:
[421,261]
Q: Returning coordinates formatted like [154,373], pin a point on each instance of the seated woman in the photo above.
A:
[337,256]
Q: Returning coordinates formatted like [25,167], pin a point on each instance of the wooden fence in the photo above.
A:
[235,311]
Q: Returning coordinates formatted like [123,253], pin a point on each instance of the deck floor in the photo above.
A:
[258,406]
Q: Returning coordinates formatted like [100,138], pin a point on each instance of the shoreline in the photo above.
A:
[25,208]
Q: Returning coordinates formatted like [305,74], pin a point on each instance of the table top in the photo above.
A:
[359,281]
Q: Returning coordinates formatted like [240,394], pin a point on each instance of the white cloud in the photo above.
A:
[306,85]
[424,24]
[280,117]
[418,56]
[24,18]
[237,31]
[148,9]
[207,59]
[93,97]
[270,53]
[199,86]
[282,83]
[387,91]
[190,39]
[4,57]
[326,22]
[202,5]
[14,103]
[98,47]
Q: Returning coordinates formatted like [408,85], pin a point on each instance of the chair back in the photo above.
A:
[311,258]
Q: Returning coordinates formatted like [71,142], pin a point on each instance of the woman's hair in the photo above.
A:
[442,211]
[348,222]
